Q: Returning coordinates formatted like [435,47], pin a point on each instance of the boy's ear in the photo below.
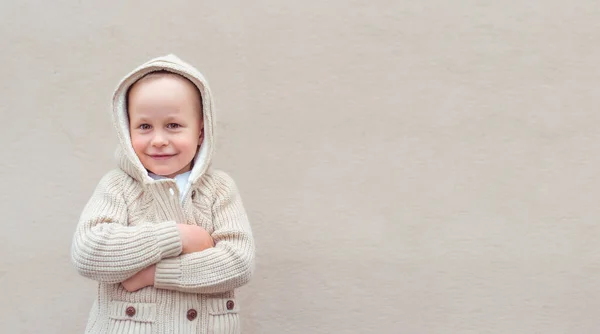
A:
[201,138]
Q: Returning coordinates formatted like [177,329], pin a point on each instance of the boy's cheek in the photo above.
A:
[137,143]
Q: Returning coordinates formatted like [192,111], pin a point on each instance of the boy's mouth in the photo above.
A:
[161,156]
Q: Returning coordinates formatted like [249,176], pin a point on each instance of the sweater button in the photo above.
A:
[130,311]
[230,304]
[193,194]
[191,314]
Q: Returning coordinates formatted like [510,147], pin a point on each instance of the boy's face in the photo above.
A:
[165,123]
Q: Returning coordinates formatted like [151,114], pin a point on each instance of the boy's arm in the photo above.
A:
[105,249]
[224,267]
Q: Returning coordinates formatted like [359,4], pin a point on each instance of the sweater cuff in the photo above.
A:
[169,239]
[168,273]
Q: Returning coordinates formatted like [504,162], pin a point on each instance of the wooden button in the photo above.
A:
[193,193]
[192,314]
[130,311]
[230,304]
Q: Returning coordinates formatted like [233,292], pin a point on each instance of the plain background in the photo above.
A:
[408,166]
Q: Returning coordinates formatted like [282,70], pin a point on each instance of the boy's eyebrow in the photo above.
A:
[138,119]
[173,118]
[167,119]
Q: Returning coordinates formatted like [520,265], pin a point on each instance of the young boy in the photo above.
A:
[166,236]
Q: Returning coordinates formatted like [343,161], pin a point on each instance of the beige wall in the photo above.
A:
[408,166]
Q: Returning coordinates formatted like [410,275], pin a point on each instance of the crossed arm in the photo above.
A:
[166,255]
[193,239]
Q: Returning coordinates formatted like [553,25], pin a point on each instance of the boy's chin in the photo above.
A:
[168,171]
[163,172]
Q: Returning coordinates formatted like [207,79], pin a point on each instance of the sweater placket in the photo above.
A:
[166,195]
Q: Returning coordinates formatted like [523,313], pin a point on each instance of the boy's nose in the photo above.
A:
[159,140]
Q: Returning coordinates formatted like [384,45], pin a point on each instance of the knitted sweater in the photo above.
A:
[129,223]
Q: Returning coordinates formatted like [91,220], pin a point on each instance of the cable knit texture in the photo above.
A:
[129,223]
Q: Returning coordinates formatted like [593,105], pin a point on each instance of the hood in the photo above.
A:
[126,157]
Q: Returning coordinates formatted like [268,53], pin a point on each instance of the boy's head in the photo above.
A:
[165,122]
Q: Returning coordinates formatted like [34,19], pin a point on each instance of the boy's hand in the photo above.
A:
[140,280]
[194,238]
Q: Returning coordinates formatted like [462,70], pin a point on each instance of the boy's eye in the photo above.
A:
[173,125]
[145,126]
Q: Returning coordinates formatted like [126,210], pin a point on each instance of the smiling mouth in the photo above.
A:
[161,156]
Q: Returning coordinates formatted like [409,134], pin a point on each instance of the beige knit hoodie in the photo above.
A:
[130,223]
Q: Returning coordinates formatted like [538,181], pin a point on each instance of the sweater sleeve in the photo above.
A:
[226,266]
[106,249]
